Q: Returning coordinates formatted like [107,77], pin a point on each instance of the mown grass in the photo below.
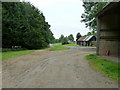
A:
[107,68]
[12,49]
[12,54]
[58,46]
[71,44]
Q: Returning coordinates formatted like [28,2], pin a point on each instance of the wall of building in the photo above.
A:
[109,33]
[111,46]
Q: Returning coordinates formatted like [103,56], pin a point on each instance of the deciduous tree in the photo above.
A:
[24,25]
[91,9]
[71,38]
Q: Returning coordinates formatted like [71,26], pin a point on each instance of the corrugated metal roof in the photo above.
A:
[85,38]
[81,38]
[88,38]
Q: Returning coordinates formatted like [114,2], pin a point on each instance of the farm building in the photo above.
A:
[86,41]
[108,30]
[80,41]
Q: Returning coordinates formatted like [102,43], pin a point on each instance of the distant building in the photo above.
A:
[80,40]
[86,41]
[108,30]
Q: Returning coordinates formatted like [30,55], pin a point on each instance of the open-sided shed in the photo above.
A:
[108,30]
[86,41]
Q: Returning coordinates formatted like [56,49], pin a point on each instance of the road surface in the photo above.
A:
[53,69]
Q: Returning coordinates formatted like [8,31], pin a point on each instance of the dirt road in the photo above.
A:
[53,69]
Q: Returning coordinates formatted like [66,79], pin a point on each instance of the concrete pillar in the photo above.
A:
[98,36]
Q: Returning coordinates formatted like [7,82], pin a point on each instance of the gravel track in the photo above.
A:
[53,69]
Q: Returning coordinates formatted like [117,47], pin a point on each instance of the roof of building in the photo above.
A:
[81,38]
[87,38]
[108,7]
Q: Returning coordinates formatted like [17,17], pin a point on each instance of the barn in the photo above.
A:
[108,30]
[86,41]
[80,41]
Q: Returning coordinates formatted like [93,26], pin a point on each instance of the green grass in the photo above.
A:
[12,49]
[12,54]
[106,67]
[58,46]
[72,44]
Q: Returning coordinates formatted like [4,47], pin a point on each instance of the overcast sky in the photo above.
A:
[63,15]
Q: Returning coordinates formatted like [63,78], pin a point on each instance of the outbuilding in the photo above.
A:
[108,30]
[87,41]
[80,41]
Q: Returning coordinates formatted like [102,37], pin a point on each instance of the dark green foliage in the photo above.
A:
[24,25]
[78,36]
[91,33]
[91,9]
[65,40]
[55,41]
[71,38]
[61,38]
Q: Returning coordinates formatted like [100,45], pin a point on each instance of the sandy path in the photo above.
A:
[53,69]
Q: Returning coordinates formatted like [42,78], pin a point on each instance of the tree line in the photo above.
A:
[24,25]
[63,39]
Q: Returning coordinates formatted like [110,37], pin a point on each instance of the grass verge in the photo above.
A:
[12,49]
[72,44]
[107,68]
[58,46]
[12,54]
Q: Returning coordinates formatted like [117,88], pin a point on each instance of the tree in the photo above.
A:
[91,9]
[89,33]
[65,40]
[78,36]
[93,33]
[55,41]
[61,38]
[71,38]
[24,25]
